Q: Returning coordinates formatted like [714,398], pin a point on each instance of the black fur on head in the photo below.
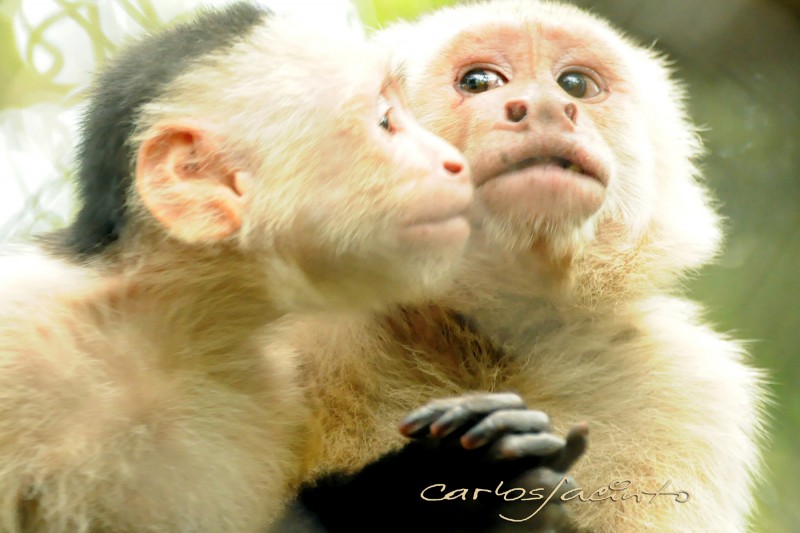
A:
[137,76]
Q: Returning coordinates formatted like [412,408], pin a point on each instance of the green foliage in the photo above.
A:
[378,13]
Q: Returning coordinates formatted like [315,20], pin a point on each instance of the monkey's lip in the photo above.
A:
[439,223]
[442,203]
[453,229]
[439,216]
[575,162]
[436,213]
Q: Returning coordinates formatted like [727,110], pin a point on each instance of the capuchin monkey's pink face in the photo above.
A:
[570,129]
[526,104]
[528,115]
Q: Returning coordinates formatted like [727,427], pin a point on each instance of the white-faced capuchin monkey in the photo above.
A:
[231,169]
[588,213]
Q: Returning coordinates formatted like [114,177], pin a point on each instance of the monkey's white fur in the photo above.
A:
[586,323]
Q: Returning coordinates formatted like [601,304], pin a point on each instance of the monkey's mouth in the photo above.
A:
[569,163]
[563,163]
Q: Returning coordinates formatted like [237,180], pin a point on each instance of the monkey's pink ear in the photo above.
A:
[184,183]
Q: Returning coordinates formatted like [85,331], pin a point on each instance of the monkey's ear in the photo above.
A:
[185,184]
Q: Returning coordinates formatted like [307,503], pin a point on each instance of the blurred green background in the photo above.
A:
[741,62]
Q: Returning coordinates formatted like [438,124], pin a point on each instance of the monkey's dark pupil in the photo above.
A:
[384,123]
[476,81]
[573,84]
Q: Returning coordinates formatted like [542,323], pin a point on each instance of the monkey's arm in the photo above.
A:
[673,405]
[478,449]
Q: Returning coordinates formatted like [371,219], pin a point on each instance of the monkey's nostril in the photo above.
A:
[453,167]
[571,112]
[516,111]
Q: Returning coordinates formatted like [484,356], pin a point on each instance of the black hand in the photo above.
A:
[478,441]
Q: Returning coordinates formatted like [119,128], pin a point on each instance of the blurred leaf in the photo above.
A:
[378,13]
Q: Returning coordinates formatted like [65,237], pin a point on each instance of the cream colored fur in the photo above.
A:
[586,324]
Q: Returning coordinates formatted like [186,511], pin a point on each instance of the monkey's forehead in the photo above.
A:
[449,29]
[280,69]
[286,83]
[288,61]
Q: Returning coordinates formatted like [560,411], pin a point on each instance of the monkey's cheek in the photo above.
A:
[449,233]
[555,196]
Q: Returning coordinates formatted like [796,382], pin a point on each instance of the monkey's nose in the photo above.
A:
[516,110]
[453,167]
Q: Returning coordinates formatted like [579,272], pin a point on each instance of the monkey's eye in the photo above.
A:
[386,121]
[579,84]
[385,112]
[479,80]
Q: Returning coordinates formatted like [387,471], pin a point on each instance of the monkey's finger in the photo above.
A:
[417,423]
[496,424]
[472,409]
[575,446]
[448,413]
[519,446]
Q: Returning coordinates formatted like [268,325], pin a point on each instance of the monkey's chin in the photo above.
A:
[546,193]
[450,232]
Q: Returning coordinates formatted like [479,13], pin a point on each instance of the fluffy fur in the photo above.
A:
[582,317]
